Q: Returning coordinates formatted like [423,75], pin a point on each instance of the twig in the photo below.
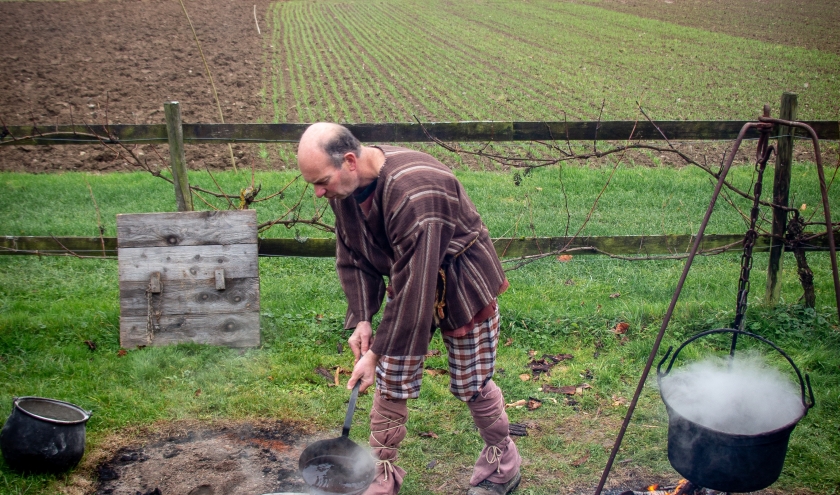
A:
[210,76]
[69,252]
[98,218]
[230,203]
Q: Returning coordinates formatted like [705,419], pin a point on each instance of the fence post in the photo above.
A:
[781,191]
[176,155]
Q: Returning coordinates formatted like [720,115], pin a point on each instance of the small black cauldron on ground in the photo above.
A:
[43,435]
[723,461]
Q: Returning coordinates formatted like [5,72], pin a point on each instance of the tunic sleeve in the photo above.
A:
[362,284]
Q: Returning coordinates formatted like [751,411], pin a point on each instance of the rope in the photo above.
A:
[396,424]
[388,466]
[440,295]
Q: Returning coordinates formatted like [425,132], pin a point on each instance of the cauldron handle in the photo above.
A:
[758,337]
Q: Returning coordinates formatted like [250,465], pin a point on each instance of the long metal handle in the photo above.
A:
[351,408]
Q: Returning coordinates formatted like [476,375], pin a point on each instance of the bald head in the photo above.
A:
[325,138]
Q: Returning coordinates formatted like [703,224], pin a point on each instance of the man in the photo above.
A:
[403,215]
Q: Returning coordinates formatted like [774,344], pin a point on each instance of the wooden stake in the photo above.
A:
[781,191]
[175,132]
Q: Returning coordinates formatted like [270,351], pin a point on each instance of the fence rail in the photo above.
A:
[400,132]
[484,131]
[631,245]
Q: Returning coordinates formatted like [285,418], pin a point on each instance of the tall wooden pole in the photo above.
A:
[176,155]
[781,191]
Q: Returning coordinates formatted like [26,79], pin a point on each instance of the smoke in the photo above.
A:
[742,396]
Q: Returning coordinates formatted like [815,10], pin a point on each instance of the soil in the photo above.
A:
[118,62]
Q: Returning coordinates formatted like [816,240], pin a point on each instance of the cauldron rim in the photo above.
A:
[85,414]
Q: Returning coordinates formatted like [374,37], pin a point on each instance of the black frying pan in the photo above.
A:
[339,465]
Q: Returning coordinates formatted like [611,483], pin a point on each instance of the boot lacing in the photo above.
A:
[379,445]
[494,452]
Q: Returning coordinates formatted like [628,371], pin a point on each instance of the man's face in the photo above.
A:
[330,182]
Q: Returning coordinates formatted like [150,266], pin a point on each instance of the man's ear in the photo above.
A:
[351,159]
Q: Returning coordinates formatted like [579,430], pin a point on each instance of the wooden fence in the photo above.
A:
[177,134]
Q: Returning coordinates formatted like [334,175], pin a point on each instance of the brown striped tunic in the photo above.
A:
[420,219]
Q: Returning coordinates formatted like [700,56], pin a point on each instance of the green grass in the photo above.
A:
[539,60]
[49,307]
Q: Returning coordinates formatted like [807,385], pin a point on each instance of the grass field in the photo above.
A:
[356,61]
[50,306]
[539,60]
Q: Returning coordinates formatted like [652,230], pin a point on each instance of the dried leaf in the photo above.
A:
[567,389]
[532,353]
[198,392]
[620,328]
[91,345]
[270,378]
[433,352]
[533,403]
[519,403]
[122,352]
[335,377]
[508,342]
[564,258]
[803,207]
[435,371]
[569,282]
[524,377]
[558,357]
[326,374]
[428,434]
[578,462]
[615,295]
[624,340]
[619,401]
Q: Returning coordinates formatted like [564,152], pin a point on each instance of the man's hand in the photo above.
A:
[360,340]
[364,370]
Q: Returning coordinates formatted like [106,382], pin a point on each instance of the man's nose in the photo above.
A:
[320,191]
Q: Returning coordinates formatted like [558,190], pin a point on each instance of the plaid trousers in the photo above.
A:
[471,362]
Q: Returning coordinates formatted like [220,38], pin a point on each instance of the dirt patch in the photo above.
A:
[187,458]
[118,62]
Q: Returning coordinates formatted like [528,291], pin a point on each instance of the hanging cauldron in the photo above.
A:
[43,435]
[724,461]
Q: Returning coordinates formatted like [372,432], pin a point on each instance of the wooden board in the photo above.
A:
[194,228]
[232,330]
[188,262]
[189,277]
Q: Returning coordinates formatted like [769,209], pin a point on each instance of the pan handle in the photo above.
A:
[351,408]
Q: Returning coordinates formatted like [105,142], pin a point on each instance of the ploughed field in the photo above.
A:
[117,62]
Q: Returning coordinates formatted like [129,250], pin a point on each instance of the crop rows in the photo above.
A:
[540,60]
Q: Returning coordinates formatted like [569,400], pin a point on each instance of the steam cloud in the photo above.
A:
[740,396]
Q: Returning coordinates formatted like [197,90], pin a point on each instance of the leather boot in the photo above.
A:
[387,429]
[499,461]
